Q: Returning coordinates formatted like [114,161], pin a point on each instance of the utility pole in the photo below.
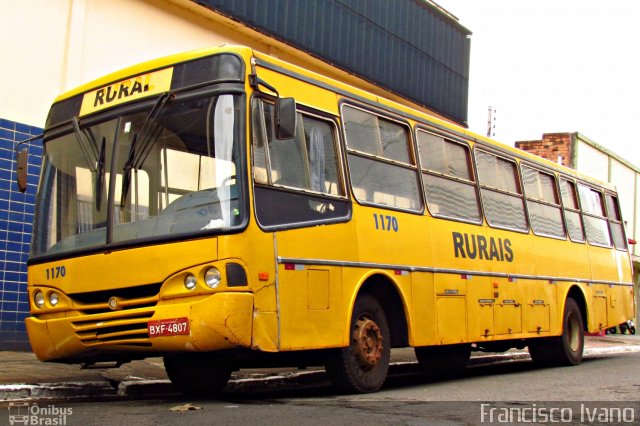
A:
[491,122]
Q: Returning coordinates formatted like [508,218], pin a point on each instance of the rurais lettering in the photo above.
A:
[120,90]
[479,247]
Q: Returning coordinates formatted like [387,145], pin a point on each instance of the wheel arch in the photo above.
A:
[385,290]
[577,294]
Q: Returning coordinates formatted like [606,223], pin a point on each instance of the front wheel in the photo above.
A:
[362,366]
[198,374]
[565,349]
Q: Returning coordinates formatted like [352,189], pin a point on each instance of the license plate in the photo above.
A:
[168,327]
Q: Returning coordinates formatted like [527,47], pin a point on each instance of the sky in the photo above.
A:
[555,66]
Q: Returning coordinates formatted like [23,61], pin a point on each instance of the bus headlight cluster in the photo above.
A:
[39,299]
[212,278]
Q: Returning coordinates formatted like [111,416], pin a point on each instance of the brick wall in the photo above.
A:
[552,146]
[16,218]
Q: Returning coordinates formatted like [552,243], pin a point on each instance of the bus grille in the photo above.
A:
[97,302]
[121,328]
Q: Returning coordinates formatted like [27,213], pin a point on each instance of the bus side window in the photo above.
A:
[382,168]
[593,212]
[448,178]
[543,202]
[297,179]
[615,222]
[572,210]
[501,193]
[307,161]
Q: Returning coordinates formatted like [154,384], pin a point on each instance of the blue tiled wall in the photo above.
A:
[16,218]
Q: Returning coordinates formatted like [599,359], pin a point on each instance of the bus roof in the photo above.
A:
[153,64]
[412,112]
[418,115]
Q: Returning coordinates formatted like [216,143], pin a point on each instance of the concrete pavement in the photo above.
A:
[24,377]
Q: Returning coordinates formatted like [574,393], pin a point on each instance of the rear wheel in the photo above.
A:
[362,366]
[198,373]
[443,360]
[563,350]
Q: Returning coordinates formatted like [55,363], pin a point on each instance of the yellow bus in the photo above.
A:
[223,209]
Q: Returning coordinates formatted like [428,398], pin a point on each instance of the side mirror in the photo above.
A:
[285,118]
[21,170]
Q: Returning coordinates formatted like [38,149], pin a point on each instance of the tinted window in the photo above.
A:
[497,172]
[595,222]
[615,222]
[381,167]
[300,175]
[543,202]
[439,155]
[448,178]
[375,135]
[571,210]
[501,194]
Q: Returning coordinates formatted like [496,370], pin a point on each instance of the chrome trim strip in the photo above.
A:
[412,268]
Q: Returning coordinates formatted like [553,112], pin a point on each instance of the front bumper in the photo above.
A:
[216,322]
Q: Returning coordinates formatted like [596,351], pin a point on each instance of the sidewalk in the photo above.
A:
[24,377]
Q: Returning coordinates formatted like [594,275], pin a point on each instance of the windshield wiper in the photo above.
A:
[100,174]
[126,176]
[144,141]
[86,148]
[94,159]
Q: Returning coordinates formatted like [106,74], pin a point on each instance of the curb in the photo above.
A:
[68,390]
[139,389]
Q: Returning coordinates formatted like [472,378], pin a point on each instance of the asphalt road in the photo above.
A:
[602,389]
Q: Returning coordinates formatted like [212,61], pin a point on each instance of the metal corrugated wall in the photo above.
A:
[406,46]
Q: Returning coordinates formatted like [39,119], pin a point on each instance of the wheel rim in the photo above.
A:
[368,345]
[573,333]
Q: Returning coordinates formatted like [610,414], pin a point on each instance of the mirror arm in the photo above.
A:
[255,82]
[285,108]
[31,139]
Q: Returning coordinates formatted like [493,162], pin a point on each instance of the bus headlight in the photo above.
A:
[212,278]
[54,299]
[190,282]
[38,299]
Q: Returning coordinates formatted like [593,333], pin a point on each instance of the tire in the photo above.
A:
[632,330]
[362,366]
[198,374]
[566,349]
[443,361]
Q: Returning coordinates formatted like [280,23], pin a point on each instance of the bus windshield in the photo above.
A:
[166,171]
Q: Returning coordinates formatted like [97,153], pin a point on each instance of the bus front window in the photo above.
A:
[167,171]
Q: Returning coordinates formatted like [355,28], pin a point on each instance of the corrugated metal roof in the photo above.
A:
[410,47]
